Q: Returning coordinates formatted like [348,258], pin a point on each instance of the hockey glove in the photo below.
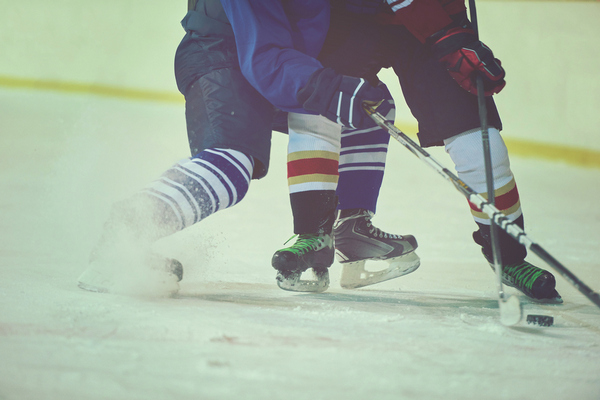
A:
[465,58]
[364,6]
[340,98]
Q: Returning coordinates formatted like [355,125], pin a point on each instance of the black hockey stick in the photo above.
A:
[495,215]
[510,307]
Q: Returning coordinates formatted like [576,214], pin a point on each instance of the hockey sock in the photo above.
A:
[313,153]
[511,251]
[314,211]
[195,188]
[466,151]
[362,163]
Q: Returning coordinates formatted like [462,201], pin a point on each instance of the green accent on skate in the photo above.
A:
[305,243]
[523,274]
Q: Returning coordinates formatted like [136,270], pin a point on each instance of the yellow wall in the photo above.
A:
[550,49]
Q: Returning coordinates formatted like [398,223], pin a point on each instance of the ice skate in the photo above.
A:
[123,261]
[311,251]
[133,273]
[536,283]
[358,241]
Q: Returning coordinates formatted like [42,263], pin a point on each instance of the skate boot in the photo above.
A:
[536,283]
[123,261]
[357,241]
[310,251]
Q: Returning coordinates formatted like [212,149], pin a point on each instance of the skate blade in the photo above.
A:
[90,288]
[354,275]
[93,281]
[293,283]
[552,301]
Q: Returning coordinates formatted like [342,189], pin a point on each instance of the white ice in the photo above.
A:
[230,333]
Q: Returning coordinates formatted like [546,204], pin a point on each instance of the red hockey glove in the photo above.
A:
[465,58]
[340,98]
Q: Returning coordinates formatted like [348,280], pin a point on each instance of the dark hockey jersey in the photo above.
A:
[277,44]
[423,18]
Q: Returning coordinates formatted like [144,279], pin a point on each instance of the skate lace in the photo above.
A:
[378,232]
[524,274]
[304,243]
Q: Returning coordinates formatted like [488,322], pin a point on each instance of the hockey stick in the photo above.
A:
[510,307]
[495,215]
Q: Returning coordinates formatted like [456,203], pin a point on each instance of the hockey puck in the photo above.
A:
[541,320]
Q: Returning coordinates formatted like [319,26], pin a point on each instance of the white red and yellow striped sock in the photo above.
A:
[506,200]
[466,151]
[313,153]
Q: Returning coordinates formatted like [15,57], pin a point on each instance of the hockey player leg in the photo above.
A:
[123,260]
[358,242]
[314,214]
[313,153]
[465,150]
[538,284]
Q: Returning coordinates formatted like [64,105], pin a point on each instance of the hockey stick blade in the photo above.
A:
[480,202]
[510,311]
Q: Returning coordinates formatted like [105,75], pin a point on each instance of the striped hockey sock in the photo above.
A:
[466,150]
[362,163]
[195,188]
[313,153]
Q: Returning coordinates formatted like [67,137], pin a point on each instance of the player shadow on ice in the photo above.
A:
[268,295]
[406,297]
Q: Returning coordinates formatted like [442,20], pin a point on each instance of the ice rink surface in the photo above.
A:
[230,333]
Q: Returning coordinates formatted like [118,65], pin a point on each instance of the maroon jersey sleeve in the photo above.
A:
[423,18]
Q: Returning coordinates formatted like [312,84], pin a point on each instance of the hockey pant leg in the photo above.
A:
[312,167]
[466,151]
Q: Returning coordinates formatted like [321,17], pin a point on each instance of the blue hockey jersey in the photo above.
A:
[277,44]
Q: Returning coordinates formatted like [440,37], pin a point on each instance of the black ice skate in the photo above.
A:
[357,241]
[311,251]
[536,283]
[123,261]
[101,275]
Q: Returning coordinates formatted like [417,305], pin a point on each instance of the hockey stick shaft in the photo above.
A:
[487,157]
[480,202]
[489,179]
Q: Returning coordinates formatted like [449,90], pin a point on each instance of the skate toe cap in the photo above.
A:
[544,287]
[284,261]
